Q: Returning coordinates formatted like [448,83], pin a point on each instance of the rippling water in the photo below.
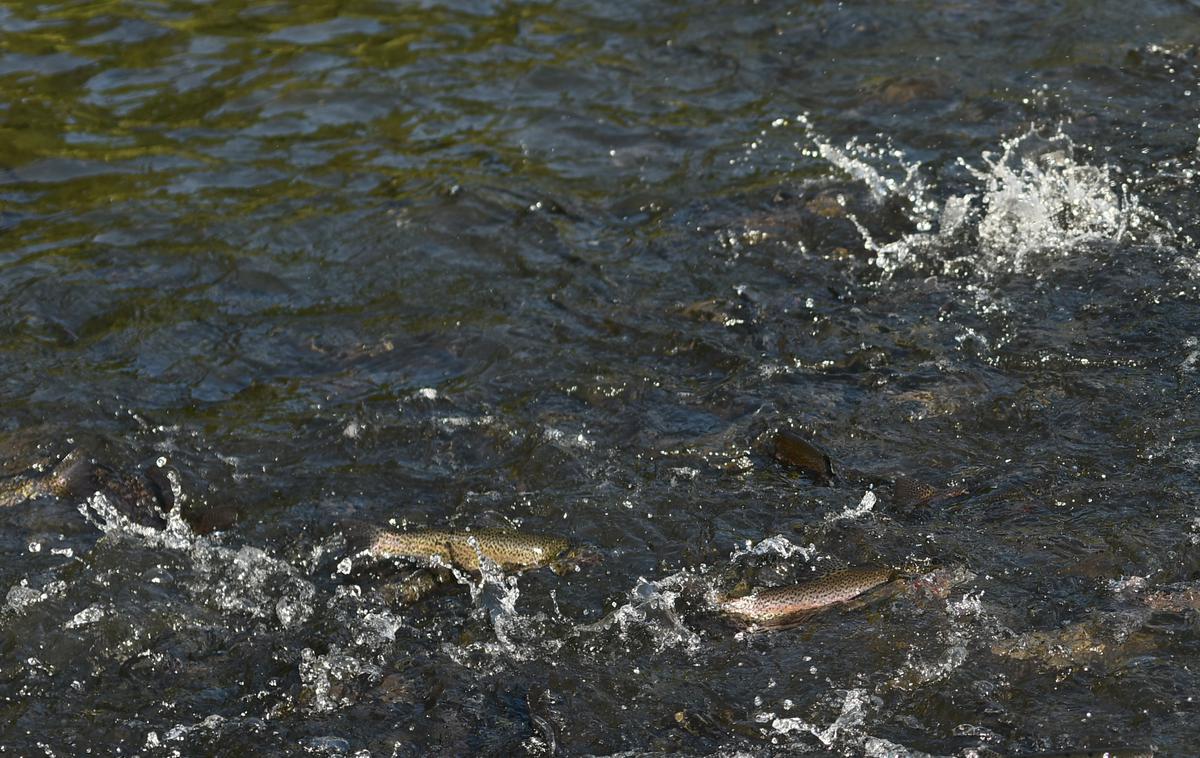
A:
[566,267]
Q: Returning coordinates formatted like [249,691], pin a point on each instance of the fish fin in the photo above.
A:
[461,554]
[415,587]
[875,594]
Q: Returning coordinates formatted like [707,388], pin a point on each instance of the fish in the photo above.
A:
[1097,638]
[1175,599]
[784,606]
[793,450]
[510,549]
[414,587]
[145,498]
[938,583]
[908,492]
[72,476]
[20,489]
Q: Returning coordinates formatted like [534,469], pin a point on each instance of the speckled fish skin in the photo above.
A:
[781,604]
[1175,600]
[62,481]
[511,550]
[908,492]
[19,489]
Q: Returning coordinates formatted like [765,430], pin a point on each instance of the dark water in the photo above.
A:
[564,266]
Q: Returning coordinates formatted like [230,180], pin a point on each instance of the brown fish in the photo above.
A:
[782,606]
[510,549]
[414,587]
[908,492]
[145,498]
[1176,599]
[793,450]
[72,476]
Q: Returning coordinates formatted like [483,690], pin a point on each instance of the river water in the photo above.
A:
[567,267]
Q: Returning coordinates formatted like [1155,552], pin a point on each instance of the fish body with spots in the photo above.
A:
[780,606]
[510,549]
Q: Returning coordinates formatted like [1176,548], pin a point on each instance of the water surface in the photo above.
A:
[564,267]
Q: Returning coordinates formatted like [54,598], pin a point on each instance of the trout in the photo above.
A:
[509,549]
[782,606]
[144,499]
[793,450]
[70,477]
[1176,600]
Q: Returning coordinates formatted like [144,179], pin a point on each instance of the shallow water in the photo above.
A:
[565,267]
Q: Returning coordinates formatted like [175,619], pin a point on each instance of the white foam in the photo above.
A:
[779,545]
[1031,197]
[864,507]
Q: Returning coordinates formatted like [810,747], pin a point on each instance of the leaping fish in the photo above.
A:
[71,476]
[510,549]
[780,607]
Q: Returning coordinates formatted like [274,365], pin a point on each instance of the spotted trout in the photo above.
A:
[509,549]
[783,606]
[69,477]
[144,498]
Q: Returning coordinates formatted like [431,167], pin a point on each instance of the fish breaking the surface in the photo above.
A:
[145,498]
[71,476]
[781,606]
[510,549]
[793,450]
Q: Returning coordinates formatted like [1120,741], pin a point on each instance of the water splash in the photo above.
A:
[775,545]
[873,165]
[1031,198]
[322,675]
[852,512]
[845,725]
[651,609]
[1036,197]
